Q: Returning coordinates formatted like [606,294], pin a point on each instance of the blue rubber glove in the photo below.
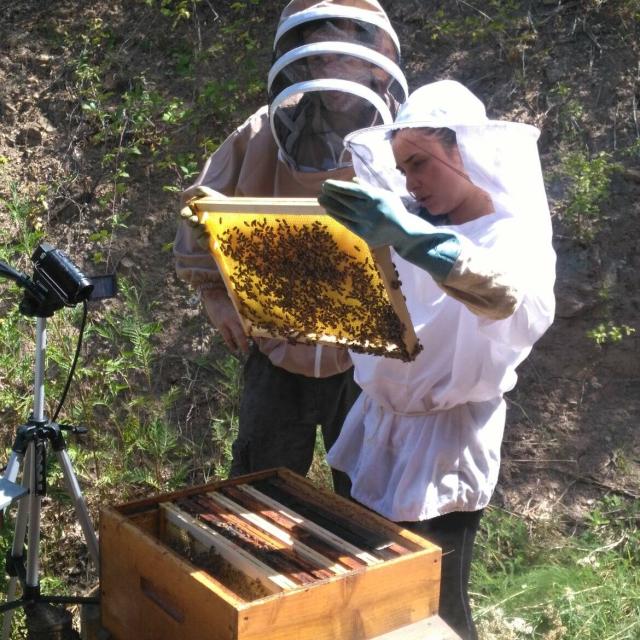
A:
[380,219]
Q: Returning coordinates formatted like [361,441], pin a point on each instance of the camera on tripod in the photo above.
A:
[55,271]
[57,282]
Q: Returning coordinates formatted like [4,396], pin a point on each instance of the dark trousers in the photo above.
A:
[279,415]
[455,534]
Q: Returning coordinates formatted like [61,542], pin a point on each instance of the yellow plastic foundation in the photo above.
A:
[293,272]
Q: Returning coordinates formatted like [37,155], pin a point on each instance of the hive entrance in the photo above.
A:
[293,272]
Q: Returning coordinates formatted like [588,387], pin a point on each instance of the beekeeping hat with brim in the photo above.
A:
[335,69]
[500,157]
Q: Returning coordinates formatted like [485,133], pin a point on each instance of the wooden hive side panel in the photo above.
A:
[358,606]
[149,593]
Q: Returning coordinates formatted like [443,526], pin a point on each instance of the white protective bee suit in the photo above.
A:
[423,439]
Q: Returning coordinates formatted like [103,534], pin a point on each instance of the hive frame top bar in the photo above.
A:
[302,206]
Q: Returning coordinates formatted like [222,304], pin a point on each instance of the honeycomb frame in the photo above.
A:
[294,273]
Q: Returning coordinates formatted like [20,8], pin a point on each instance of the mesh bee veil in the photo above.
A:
[500,157]
[335,69]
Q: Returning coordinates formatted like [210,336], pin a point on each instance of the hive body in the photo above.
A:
[266,556]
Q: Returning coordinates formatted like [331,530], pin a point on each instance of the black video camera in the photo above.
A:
[57,283]
[55,273]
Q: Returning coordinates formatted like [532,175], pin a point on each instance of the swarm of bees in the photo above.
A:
[307,279]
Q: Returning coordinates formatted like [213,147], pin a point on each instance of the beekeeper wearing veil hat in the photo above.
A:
[335,69]
[460,199]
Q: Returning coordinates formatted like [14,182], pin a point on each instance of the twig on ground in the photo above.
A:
[589,558]
[559,9]
[588,479]
[482,13]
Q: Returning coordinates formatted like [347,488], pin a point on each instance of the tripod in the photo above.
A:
[30,449]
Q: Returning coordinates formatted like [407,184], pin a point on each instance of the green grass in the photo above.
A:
[532,580]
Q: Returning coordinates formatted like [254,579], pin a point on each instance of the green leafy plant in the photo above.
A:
[609,333]
[224,426]
[186,167]
[567,109]
[20,239]
[177,10]
[589,181]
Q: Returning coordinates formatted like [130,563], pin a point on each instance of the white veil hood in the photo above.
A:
[500,157]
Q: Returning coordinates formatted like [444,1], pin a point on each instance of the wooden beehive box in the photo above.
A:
[293,272]
[266,556]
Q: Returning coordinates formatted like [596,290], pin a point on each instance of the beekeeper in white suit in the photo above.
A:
[335,70]
[421,444]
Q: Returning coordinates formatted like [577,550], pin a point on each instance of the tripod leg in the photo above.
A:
[80,505]
[35,505]
[9,490]
[8,615]
[17,548]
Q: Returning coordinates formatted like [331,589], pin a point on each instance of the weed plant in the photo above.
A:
[224,425]
[589,180]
